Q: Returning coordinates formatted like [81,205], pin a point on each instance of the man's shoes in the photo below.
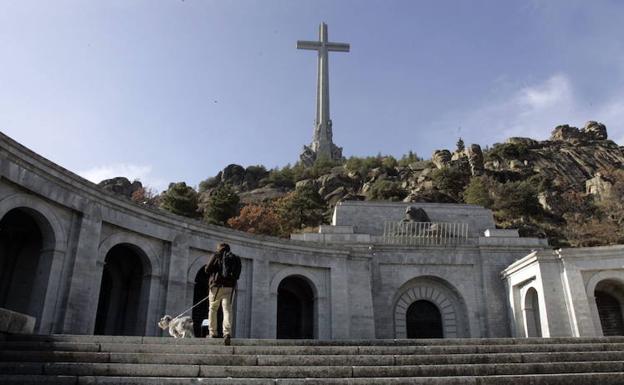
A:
[227,340]
[212,336]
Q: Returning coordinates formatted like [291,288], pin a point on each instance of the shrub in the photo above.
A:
[450,180]
[478,191]
[257,219]
[222,205]
[301,208]
[180,199]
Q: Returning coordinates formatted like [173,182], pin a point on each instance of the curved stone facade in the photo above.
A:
[358,287]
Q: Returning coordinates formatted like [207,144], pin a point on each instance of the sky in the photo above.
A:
[175,90]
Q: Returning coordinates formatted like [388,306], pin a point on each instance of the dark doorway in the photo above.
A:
[610,313]
[295,309]
[25,259]
[200,312]
[122,300]
[424,320]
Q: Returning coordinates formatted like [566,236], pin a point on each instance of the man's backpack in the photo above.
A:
[230,266]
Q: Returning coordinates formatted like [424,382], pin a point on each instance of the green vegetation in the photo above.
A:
[478,192]
[301,208]
[386,190]
[180,199]
[507,151]
[451,180]
[222,205]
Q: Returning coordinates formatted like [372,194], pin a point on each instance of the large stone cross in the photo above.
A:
[322,144]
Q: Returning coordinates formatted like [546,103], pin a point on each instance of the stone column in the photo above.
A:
[175,301]
[262,319]
[86,275]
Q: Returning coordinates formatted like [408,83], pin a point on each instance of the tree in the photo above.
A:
[301,208]
[450,180]
[460,145]
[180,199]
[222,205]
[478,192]
[408,158]
[257,219]
[516,199]
[146,196]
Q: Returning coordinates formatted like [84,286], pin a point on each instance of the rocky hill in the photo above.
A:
[557,188]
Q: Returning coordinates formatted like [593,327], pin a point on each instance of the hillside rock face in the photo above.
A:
[121,185]
[569,158]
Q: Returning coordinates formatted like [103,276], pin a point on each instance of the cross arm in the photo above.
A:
[340,47]
[305,44]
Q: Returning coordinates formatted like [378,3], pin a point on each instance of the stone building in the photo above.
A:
[81,260]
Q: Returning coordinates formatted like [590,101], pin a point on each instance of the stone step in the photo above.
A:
[209,371]
[301,342]
[307,360]
[541,379]
[304,350]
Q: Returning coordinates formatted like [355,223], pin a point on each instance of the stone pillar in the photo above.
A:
[86,275]
[555,311]
[175,301]
[262,319]
[339,297]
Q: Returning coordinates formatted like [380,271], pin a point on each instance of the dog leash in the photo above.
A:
[190,308]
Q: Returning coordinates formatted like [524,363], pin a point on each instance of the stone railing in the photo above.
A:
[425,233]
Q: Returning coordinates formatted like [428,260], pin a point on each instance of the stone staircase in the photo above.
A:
[67,359]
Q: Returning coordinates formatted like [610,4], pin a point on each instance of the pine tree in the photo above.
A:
[222,205]
[180,199]
[460,145]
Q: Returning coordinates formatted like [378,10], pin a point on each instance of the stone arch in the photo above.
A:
[439,293]
[320,290]
[149,256]
[531,313]
[610,283]
[295,308]
[43,215]
[147,311]
[47,262]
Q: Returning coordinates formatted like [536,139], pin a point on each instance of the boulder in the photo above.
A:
[595,131]
[475,159]
[566,133]
[253,176]
[312,183]
[233,174]
[121,186]
[599,186]
[527,142]
[441,158]
[330,182]
[336,196]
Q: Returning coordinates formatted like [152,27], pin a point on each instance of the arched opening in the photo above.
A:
[295,308]
[26,248]
[423,320]
[200,312]
[123,293]
[532,318]
[609,295]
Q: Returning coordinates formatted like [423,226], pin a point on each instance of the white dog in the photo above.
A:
[181,327]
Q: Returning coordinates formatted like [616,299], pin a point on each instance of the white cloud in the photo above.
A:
[534,110]
[133,172]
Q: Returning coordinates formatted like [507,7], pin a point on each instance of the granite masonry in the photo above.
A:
[80,260]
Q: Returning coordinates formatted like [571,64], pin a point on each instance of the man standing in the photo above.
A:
[223,271]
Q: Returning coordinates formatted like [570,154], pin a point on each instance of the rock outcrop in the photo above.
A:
[121,185]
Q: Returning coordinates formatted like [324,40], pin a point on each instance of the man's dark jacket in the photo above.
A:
[213,268]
